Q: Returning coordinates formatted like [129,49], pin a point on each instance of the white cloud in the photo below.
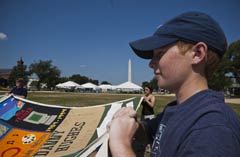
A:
[3,36]
[83,66]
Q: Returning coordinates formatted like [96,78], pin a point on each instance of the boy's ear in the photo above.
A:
[199,52]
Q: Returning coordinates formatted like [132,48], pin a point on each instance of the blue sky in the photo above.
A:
[90,37]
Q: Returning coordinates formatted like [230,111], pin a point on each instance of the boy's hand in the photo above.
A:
[121,131]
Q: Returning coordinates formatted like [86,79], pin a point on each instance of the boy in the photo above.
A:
[184,52]
[19,90]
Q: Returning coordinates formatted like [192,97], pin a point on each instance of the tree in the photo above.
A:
[46,72]
[105,82]
[154,84]
[82,79]
[62,79]
[233,55]
[219,81]
[145,83]
[227,69]
[18,71]
[79,79]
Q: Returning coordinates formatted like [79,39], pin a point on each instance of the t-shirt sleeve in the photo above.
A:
[214,141]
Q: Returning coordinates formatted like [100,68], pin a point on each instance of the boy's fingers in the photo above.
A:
[128,111]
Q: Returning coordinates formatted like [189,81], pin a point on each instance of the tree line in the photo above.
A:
[47,73]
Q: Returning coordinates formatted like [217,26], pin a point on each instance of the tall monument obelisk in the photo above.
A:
[129,71]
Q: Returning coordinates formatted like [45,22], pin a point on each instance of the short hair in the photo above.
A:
[20,80]
[212,58]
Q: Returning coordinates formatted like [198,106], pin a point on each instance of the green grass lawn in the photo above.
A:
[76,99]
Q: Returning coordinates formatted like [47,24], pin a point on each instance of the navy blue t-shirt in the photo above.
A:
[201,126]
[19,91]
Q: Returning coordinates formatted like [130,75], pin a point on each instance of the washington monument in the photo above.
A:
[129,71]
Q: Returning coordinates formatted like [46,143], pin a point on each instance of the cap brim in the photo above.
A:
[144,47]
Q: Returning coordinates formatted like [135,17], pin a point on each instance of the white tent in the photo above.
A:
[59,85]
[106,87]
[68,85]
[90,86]
[128,87]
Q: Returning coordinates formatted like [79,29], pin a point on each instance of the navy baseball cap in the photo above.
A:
[190,27]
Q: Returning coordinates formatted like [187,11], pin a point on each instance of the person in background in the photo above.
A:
[184,53]
[19,89]
[148,104]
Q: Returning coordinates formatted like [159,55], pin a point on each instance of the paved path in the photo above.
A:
[233,100]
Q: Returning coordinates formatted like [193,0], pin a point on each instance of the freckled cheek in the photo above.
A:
[169,68]
[165,64]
